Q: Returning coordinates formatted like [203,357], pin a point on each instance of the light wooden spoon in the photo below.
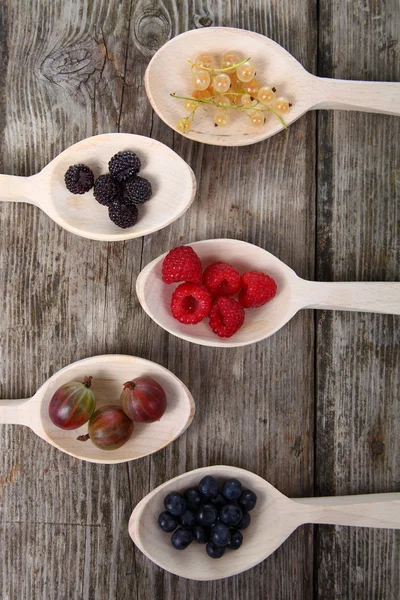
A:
[273,519]
[109,372]
[173,184]
[292,295]
[169,72]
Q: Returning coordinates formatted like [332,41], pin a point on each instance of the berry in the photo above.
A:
[221,118]
[207,515]
[124,165]
[138,190]
[188,519]
[201,535]
[226,316]
[236,540]
[222,279]
[244,521]
[181,264]
[193,497]
[79,179]
[209,487]
[220,534]
[230,514]
[106,190]
[175,504]
[181,538]
[257,289]
[123,215]
[190,303]
[232,489]
[247,500]
[214,551]
[167,522]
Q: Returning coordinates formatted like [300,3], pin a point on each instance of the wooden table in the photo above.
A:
[314,409]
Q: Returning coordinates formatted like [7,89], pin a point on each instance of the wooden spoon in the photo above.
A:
[109,372]
[292,295]
[169,72]
[273,519]
[173,183]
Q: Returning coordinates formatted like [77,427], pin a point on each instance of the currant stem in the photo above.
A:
[243,109]
[231,68]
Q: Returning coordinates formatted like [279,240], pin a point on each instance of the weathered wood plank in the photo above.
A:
[358,360]
[254,405]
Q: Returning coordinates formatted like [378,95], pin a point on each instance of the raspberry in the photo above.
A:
[124,165]
[79,179]
[257,289]
[123,215]
[138,190]
[222,279]
[106,190]
[181,264]
[190,303]
[226,316]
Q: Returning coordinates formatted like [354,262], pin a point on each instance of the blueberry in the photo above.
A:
[201,535]
[244,521]
[230,514]
[232,489]
[193,497]
[215,551]
[188,519]
[209,487]
[207,515]
[220,534]
[167,522]
[218,501]
[181,538]
[248,500]
[175,504]
[236,540]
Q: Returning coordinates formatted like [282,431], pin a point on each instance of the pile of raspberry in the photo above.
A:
[209,293]
[121,190]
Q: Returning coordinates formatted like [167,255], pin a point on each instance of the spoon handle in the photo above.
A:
[15,412]
[365,96]
[380,297]
[366,510]
[18,189]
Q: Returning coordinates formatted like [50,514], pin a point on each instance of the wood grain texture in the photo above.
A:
[74,69]
[358,360]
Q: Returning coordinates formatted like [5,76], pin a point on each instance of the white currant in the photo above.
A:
[282,105]
[201,80]
[221,118]
[221,83]
[266,95]
[246,71]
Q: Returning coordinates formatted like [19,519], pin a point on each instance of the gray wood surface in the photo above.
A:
[314,409]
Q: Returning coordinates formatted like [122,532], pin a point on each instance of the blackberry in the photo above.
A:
[106,190]
[138,190]
[79,179]
[123,215]
[124,165]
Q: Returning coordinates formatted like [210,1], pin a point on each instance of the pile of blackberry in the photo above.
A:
[121,190]
[208,514]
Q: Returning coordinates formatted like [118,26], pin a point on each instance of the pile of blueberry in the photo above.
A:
[209,514]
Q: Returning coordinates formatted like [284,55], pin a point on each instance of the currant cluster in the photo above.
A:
[230,84]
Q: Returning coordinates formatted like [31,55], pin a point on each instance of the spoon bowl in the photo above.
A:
[173,184]
[273,519]
[293,293]
[169,72]
[109,373]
